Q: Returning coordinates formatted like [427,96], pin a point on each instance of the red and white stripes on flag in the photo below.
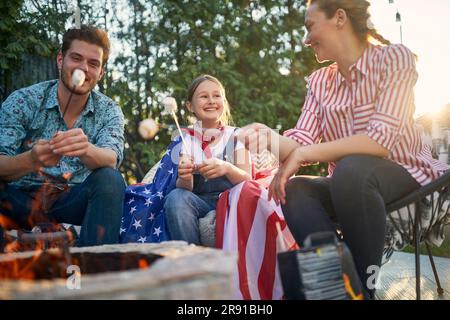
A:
[246,225]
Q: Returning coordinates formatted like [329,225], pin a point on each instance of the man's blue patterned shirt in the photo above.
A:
[33,113]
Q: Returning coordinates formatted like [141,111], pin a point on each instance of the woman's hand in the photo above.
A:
[255,137]
[185,167]
[213,168]
[277,188]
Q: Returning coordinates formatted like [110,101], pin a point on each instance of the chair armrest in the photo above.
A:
[436,185]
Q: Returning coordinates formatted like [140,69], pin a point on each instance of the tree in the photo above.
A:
[254,47]
[30,37]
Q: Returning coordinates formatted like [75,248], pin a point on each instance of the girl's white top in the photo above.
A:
[216,148]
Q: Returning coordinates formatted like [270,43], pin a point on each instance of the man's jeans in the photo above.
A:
[96,205]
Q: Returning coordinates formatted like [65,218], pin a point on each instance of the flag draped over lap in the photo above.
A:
[143,217]
[246,224]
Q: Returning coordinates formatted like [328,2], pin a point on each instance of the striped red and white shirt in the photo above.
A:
[378,102]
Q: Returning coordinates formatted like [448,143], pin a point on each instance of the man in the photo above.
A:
[61,145]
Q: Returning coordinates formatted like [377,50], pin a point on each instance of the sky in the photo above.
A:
[425,29]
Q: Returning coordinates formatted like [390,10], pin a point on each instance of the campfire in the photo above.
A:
[44,263]
[52,264]
[51,258]
[167,270]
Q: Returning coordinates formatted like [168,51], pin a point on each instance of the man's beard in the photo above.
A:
[67,82]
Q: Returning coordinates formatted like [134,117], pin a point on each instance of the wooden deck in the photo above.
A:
[398,282]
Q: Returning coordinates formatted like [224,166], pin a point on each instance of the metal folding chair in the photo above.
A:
[435,194]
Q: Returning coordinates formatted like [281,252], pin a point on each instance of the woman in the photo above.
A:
[358,117]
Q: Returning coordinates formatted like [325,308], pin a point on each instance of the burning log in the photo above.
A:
[184,272]
[42,265]
[53,264]
[44,239]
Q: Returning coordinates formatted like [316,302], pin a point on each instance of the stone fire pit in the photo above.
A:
[183,272]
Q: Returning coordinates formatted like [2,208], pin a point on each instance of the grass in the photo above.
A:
[442,251]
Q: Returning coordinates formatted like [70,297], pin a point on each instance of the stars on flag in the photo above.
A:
[157,231]
[137,223]
[148,202]
[143,219]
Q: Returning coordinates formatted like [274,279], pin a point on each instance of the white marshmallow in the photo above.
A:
[78,77]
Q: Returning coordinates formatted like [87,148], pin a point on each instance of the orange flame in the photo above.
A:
[349,289]
[67,175]
[143,264]
[14,270]
[42,201]
[6,223]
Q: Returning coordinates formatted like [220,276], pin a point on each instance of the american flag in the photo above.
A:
[246,225]
[143,217]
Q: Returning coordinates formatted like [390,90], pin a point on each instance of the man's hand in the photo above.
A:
[213,168]
[70,143]
[42,155]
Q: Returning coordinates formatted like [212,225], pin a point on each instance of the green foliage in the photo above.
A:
[254,47]
[30,28]
[442,251]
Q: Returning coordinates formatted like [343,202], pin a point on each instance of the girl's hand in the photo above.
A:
[213,168]
[185,167]
[277,188]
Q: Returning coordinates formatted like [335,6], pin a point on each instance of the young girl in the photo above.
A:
[211,162]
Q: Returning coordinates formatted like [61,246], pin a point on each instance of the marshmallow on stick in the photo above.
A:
[78,78]
[170,106]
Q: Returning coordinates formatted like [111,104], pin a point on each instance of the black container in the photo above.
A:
[322,270]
